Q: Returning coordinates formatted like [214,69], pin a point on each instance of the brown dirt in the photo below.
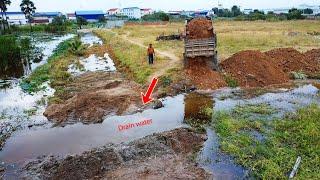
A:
[313,56]
[160,156]
[94,96]
[194,32]
[202,76]
[96,49]
[254,69]
[289,59]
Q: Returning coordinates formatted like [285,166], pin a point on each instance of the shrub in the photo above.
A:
[76,47]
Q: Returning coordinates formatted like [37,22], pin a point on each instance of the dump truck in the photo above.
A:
[200,42]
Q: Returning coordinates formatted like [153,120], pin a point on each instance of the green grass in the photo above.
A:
[232,82]
[130,56]
[285,140]
[55,70]
[249,110]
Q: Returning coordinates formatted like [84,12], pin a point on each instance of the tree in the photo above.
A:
[308,11]
[235,11]
[59,20]
[295,14]
[157,16]
[4,7]
[28,9]
[81,21]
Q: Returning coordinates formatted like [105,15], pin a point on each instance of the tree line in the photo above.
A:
[256,14]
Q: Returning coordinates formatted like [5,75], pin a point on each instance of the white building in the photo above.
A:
[113,11]
[146,11]
[16,18]
[131,12]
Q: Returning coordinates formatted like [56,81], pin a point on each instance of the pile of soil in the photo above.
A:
[289,59]
[93,96]
[254,69]
[313,56]
[159,156]
[202,76]
[199,28]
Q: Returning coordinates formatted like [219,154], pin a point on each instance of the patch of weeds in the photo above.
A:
[197,124]
[165,81]
[232,82]
[298,75]
[285,140]
[41,102]
[207,111]
[3,115]
[78,65]
[249,110]
[76,47]
[30,112]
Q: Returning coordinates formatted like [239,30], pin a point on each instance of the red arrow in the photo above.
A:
[146,97]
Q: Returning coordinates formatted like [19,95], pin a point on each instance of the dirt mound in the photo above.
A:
[202,76]
[254,69]
[313,56]
[289,59]
[95,96]
[199,28]
[152,157]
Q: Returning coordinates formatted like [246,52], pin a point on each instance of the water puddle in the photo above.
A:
[48,46]
[92,64]
[90,39]
[221,165]
[75,139]
[283,102]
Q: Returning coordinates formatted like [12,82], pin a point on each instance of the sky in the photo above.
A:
[72,5]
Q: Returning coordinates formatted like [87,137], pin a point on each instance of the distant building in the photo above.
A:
[91,16]
[47,15]
[247,11]
[131,12]
[16,18]
[187,13]
[40,20]
[113,11]
[175,14]
[146,11]
[203,13]
[71,16]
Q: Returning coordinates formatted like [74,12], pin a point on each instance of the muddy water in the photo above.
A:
[90,39]
[78,138]
[93,64]
[48,48]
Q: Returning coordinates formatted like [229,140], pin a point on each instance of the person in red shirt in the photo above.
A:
[151,54]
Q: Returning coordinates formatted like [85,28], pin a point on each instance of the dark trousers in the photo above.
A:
[150,58]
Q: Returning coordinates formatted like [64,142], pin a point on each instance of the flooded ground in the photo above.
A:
[48,46]
[89,39]
[75,139]
[19,109]
[92,64]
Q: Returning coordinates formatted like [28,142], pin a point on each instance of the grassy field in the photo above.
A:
[234,36]
[130,57]
[283,141]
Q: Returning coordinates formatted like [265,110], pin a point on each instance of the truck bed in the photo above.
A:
[200,47]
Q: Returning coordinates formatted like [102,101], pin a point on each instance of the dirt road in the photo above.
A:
[172,59]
